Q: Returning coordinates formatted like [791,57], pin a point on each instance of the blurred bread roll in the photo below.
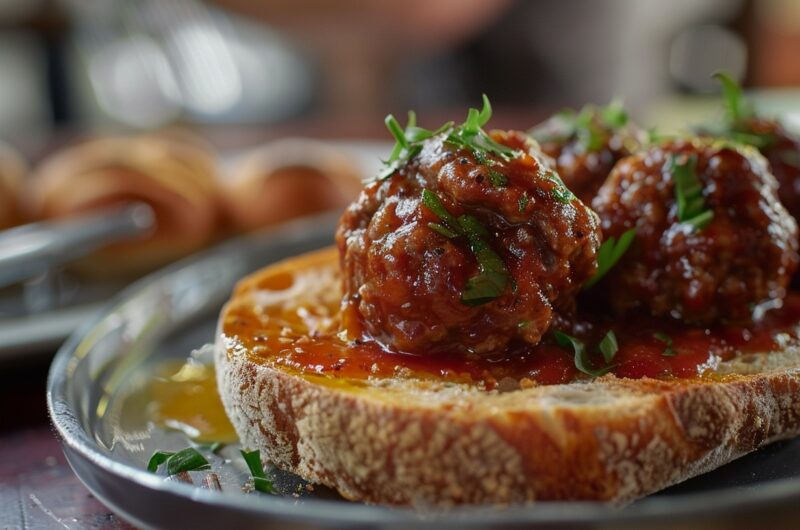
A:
[174,174]
[287,179]
[12,171]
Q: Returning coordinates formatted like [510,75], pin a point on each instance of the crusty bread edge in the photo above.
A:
[403,443]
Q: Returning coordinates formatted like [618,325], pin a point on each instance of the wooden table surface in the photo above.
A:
[38,490]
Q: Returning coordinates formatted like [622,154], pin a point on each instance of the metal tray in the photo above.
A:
[168,314]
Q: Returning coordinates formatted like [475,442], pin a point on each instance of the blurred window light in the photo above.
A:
[207,76]
[699,51]
[133,82]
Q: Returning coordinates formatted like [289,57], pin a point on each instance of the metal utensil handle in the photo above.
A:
[30,250]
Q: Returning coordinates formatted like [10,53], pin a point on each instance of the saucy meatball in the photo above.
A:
[782,150]
[586,145]
[463,251]
[712,241]
[780,147]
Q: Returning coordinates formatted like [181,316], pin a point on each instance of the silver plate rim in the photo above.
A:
[73,437]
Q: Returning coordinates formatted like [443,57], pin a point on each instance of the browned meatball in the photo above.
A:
[412,283]
[738,252]
[782,149]
[586,146]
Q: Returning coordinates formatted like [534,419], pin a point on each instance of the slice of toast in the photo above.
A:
[408,440]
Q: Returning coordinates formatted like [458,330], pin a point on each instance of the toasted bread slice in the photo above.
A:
[408,440]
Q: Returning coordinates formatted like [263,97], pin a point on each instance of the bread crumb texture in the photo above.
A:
[405,441]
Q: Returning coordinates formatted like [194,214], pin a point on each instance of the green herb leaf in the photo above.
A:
[497,179]
[609,254]
[470,134]
[737,108]
[493,277]
[158,458]
[582,361]
[523,201]
[666,339]
[188,459]
[449,222]
[609,346]
[689,193]
[614,114]
[591,127]
[561,192]
[443,230]
[260,481]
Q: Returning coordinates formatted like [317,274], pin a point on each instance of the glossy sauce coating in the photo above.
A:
[585,165]
[782,149]
[724,271]
[404,281]
[305,340]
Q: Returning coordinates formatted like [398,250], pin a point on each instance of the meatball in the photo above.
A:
[737,252]
[782,150]
[464,251]
[587,145]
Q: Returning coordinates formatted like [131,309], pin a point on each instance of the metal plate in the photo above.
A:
[170,313]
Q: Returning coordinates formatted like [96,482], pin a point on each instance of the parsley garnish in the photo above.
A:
[497,179]
[582,361]
[692,207]
[523,201]
[561,192]
[589,126]
[609,254]
[188,459]
[260,481]
[737,108]
[737,112]
[468,135]
[609,346]
[493,277]
[666,339]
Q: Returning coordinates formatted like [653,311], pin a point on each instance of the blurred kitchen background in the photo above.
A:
[335,68]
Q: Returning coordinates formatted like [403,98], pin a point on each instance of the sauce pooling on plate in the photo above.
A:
[304,338]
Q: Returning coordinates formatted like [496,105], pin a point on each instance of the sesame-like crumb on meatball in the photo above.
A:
[587,145]
[405,274]
[740,258]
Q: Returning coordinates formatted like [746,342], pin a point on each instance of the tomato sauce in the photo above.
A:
[648,347]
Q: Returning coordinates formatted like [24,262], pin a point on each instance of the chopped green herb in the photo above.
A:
[260,481]
[609,254]
[582,361]
[497,179]
[589,127]
[609,346]
[493,277]
[561,192]
[692,207]
[737,108]
[523,202]
[158,458]
[614,114]
[666,339]
[188,459]
[468,135]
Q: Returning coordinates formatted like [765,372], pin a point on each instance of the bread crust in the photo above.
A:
[406,441]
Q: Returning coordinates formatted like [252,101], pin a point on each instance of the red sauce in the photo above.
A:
[283,338]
